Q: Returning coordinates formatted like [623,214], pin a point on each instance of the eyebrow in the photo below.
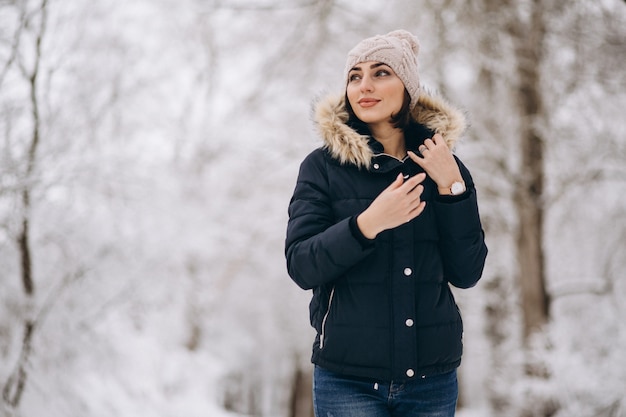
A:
[375,65]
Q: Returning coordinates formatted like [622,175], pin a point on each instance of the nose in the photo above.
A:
[366,84]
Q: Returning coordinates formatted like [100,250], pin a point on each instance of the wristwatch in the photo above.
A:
[457,188]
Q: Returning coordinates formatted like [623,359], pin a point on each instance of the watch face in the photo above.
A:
[457,188]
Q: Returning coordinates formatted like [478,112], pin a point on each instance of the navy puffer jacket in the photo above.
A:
[382,308]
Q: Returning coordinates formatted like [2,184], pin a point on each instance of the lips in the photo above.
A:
[368,102]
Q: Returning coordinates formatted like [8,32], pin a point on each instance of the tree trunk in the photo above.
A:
[512,36]
[302,394]
[529,190]
[16,382]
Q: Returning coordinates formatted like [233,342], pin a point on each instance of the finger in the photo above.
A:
[419,177]
[397,183]
[437,138]
[418,210]
[412,182]
[416,194]
[417,159]
[429,143]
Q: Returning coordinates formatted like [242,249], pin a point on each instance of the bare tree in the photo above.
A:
[528,38]
[524,85]
[524,35]
[15,384]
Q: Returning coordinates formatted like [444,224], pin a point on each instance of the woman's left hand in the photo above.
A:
[438,162]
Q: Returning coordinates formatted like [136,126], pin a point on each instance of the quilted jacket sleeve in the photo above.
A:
[462,239]
[318,247]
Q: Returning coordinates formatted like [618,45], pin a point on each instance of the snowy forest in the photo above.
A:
[148,152]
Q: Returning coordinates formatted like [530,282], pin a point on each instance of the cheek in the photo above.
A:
[353,96]
[398,100]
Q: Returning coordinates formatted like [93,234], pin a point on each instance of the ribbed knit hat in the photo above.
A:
[398,49]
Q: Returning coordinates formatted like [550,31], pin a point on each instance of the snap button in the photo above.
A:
[408,271]
[409,323]
[410,373]
[376,166]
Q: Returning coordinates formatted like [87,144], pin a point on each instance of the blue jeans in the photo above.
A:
[336,395]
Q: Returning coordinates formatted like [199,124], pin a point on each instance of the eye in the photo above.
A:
[354,77]
[382,73]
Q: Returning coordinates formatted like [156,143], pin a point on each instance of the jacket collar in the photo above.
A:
[349,147]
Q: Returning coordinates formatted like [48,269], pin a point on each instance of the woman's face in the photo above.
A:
[375,92]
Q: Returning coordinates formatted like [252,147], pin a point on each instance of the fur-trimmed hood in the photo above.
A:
[349,147]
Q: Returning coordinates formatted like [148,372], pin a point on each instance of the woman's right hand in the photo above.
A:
[397,204]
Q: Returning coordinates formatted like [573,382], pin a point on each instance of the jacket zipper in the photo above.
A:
[330,302]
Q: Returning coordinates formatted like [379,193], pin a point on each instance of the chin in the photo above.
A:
[371,118]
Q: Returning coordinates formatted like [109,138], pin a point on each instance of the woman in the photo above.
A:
[383,218]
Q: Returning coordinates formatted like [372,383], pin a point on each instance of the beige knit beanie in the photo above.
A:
[398,49]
